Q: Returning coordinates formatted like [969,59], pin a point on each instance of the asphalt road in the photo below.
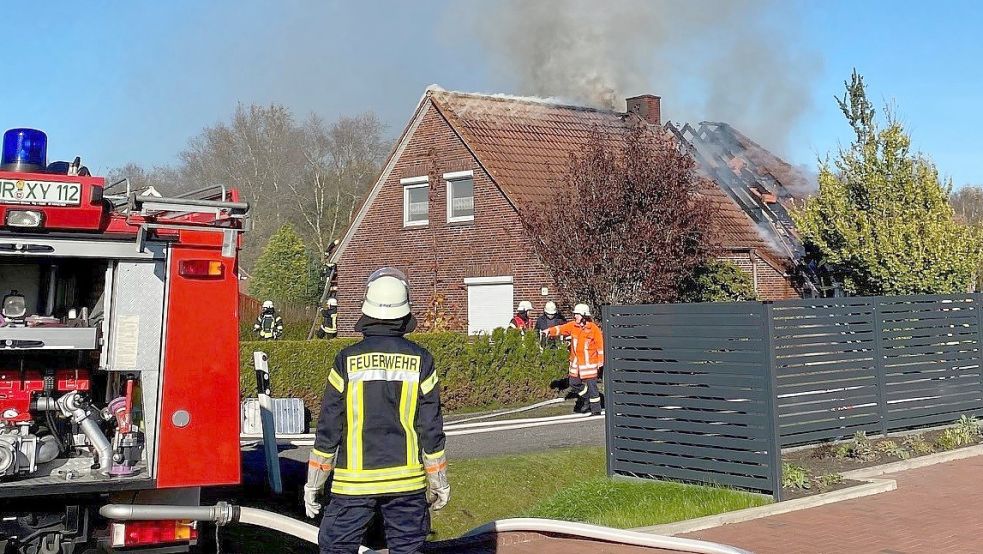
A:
[585,432]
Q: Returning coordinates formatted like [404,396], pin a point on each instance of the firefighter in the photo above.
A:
[586,356]
[521,319]
[380,431]
[550,318]
[329,320]
[269,325]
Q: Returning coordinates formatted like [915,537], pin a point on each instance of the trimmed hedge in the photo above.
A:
[503,368]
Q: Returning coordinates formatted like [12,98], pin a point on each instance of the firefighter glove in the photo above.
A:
[319,466]
[438,489]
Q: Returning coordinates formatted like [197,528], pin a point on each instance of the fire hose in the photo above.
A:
[224,514]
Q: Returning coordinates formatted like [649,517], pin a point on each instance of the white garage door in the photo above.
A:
[489,303]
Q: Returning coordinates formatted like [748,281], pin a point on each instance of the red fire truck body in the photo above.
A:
[119,361]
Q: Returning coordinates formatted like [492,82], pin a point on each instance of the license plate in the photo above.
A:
[40,192]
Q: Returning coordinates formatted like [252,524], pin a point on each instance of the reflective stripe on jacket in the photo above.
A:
[381,412]
[586,347]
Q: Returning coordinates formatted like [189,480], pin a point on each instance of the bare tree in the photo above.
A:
[312,175]
[340,162]
[166,180]
[967,203]
[357,153]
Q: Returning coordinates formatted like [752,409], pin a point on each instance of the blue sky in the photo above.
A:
[133,81]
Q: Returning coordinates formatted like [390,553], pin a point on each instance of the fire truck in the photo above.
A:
[119,362]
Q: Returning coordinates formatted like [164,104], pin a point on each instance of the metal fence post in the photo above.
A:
[879,369]
[771,399]
[606,381]
[977,299]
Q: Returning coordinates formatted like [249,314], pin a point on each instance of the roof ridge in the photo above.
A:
[551,102]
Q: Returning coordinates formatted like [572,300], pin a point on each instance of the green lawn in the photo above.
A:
[570,484]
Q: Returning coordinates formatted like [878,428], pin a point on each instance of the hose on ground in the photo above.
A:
[604,534]
[224,513]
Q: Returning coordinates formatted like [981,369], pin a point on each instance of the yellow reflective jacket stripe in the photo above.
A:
[387,474]
[429,383]
[336,380]
[378,487]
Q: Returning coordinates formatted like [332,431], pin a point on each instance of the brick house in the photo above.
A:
[459,235]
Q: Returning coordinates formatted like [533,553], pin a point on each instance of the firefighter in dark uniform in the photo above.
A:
[329,320]
[380,431]
[269,324]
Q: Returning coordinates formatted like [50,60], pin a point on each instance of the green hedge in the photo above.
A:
[501,369]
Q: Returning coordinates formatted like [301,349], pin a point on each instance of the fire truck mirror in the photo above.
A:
[181,418]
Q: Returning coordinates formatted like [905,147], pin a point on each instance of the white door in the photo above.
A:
[489,303]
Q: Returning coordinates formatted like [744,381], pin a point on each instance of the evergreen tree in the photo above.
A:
[882,222]
[284,271]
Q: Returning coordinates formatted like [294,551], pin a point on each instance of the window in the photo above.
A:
[460,196]
[416,201]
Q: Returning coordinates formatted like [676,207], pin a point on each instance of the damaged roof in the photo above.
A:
[524,144]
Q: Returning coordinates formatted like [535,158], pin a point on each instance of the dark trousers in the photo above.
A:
[406,519]
[586,391]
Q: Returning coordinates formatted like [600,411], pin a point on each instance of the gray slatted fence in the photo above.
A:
[711,392]
[688,394]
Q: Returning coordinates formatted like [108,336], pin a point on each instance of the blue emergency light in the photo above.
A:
[24,150]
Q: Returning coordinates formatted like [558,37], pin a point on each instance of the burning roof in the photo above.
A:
[524,143]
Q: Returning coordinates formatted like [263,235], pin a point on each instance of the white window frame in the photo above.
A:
[414,183]
[449,179]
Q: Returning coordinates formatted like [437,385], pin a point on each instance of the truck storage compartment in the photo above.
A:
[69,419]
[53,304]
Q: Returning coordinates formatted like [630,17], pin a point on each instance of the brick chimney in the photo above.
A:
[646,106]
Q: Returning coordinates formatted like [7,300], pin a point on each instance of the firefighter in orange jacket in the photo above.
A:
[586,356]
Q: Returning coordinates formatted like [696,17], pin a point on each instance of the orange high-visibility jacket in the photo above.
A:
[586,347]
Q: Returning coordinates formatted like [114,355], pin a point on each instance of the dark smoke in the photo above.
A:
[733,61]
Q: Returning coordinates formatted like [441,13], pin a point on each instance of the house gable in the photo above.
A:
[437,257]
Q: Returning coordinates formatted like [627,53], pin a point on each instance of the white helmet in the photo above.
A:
[332,301]
[582,309]
[550,308]
[387,295]
[267,304]
[525,306]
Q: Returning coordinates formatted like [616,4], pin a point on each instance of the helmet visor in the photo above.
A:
[388,272]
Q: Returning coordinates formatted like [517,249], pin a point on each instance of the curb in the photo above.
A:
[914,463]
[873,486]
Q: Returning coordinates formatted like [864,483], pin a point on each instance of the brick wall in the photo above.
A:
[441,254]
[769,283]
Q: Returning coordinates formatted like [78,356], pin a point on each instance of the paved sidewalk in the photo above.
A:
[936,509]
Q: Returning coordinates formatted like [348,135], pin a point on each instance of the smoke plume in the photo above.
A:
[733,61]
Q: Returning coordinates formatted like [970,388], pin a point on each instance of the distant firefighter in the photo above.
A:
[329,320]
[521,319]
[269,325]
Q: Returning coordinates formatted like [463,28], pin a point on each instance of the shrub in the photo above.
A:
[503,368]
[843,450]
[795,477]
[969,427]
[891,448]
[918,445]
[862,449]
[717,281]
[954,437]
[826,481]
